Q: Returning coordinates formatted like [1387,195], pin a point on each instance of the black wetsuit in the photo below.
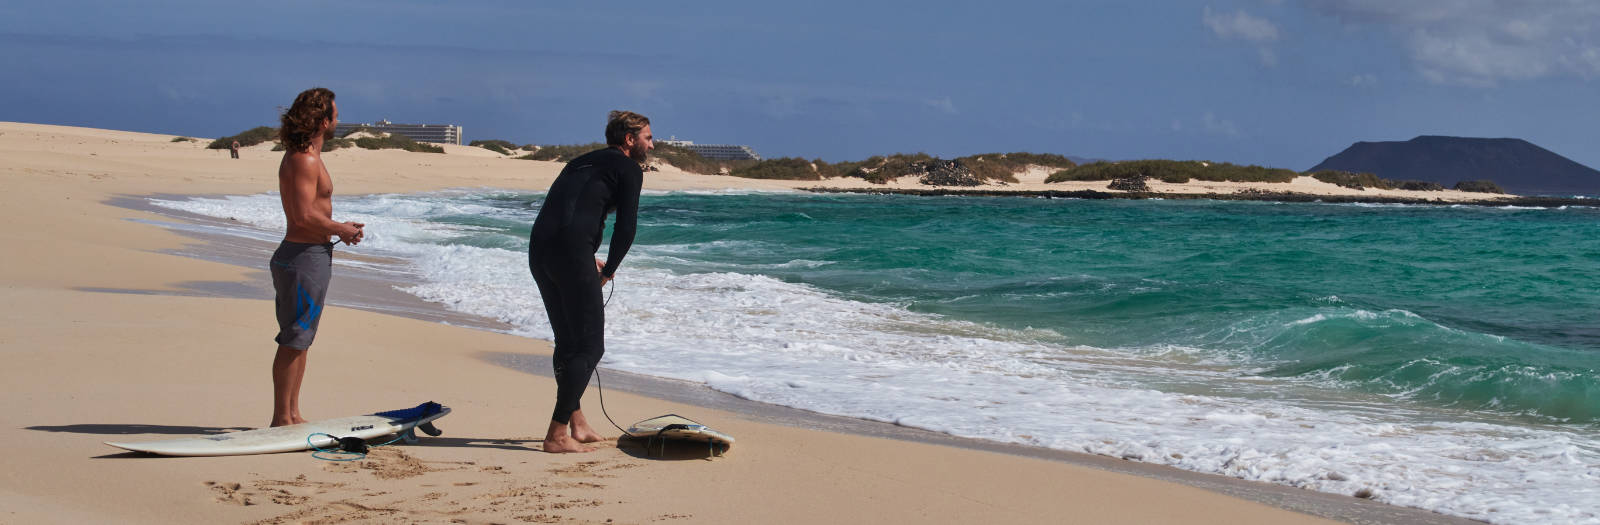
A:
[561,255]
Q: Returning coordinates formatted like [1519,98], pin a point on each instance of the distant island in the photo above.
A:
[1516,165]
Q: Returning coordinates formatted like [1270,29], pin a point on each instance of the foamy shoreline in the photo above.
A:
[107,339]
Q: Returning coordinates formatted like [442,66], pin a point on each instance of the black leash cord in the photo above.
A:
[600,386]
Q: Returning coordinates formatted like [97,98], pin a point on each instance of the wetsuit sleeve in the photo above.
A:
[627,220]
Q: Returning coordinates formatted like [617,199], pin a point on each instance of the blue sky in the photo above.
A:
[1282,83]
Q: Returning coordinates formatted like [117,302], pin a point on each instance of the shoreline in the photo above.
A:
[1263,196]
[1344,508]
[116,329]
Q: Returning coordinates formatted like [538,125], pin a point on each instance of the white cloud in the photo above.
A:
[942,104]
[1484,42]
[1365,80]
[1216,126]
[1246,27]
[1240,25]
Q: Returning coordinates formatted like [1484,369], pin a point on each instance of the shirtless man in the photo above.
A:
[303,262]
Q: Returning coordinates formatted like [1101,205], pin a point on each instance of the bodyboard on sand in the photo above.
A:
[292,438]
[673,426]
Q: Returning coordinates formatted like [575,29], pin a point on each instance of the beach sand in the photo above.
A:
[111,333]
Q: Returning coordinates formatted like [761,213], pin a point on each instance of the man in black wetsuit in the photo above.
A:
[561,255]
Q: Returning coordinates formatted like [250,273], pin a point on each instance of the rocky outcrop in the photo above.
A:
[1129,184]
[945,173]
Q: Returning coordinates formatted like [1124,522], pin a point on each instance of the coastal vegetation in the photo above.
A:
[1173,171]
[1006,166]
[786,168]
[971,170]
[688,160]
[1350,179]
[498,146]
[1479,186]
[1368,180]
[562,153]
[328,145]
[682,158]
[879,169]
[368,138]
[185,139]
[246,138]
[396,141]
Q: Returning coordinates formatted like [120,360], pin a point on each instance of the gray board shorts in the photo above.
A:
[300,274]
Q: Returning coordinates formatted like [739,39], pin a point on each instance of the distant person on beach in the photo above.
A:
[561,255]
[303,263]
[234,149]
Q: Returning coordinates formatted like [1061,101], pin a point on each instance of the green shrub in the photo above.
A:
[1353,180]
[785,168]
[327,145]
[361,129]
[185,139]
[395,141]
[333,144]
[878,169]
[826,170]
[1416,185]
[1173,171]
[1479,186]
[682,158]
[1006,166]
[246,138]
[562,153]
[498,146]
[687,160]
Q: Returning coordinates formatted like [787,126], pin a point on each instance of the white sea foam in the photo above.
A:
[791,344]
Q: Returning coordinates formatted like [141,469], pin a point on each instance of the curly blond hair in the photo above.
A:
[304,119]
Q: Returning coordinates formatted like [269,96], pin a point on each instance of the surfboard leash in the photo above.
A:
[351,448]
[601,388]
[599,385]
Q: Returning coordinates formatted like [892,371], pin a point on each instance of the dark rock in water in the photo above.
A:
[1514,164]
[945,173]
[1129,184]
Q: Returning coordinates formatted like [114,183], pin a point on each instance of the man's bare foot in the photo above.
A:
[581,430]
[281,421]
[586,436]
[564,444]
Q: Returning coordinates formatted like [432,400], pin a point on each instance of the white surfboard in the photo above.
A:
[294,437]
[673,426]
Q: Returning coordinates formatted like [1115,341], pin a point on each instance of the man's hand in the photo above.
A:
[600,267]
[354,233]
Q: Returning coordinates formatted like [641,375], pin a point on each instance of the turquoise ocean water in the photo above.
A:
[1442,357]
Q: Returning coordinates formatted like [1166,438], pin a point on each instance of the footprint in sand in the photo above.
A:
[228,492]
[592,469]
